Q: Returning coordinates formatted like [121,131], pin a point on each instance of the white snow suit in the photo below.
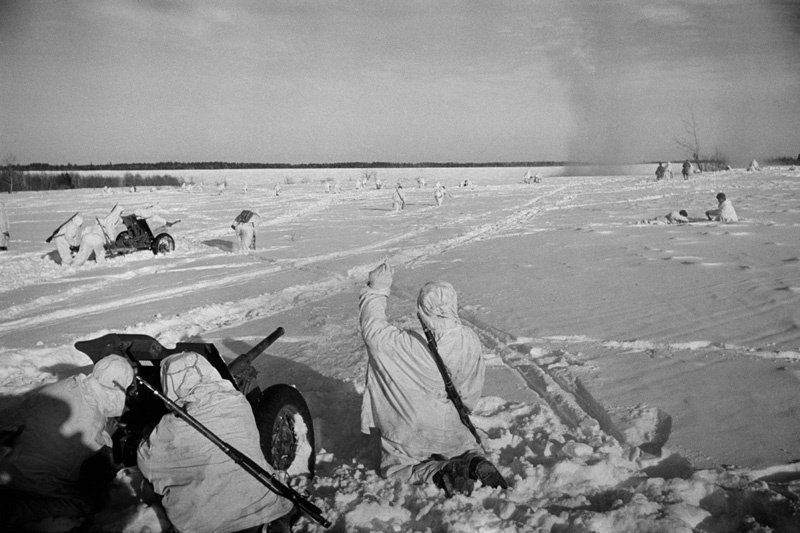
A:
[725,213]
[64,424]
[528,178]
[5,229]
[673,217]
[398,199]
[68,236]
[405,398]
[93,240]
[203,489]
[246,233]
[109,222]
[154,220]
[438,195]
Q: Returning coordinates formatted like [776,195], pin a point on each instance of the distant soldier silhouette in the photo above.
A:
[686,169]
[398,198]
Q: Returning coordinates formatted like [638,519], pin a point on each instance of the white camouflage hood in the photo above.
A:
[188,377]
[437,307]
[106,384]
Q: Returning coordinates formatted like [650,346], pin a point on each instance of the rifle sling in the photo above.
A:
[452,393]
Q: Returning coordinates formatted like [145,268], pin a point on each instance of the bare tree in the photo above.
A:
[690,142]
[9,172]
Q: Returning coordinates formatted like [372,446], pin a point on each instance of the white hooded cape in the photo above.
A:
[203,489]
[64,424]
[405,397]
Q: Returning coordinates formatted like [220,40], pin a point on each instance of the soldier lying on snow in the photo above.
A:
[422,435]
[673,217]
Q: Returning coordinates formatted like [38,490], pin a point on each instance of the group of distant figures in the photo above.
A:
[439,194]
[664,170]
[724,212]
[77,243]
[75,248]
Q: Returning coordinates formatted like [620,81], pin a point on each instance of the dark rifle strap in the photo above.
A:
[452,393]
[267,479]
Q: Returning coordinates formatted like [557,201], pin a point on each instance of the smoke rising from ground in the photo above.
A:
[634,71]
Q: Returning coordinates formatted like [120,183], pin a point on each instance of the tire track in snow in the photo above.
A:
[92,284]
[194,320]
[86,310]
[410,256]
[565,394]
[413,256]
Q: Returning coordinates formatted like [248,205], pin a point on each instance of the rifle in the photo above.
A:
[51,237]
[109,242]
[250,466]
[450,389]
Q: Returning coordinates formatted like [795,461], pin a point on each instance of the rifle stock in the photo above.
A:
[250,466]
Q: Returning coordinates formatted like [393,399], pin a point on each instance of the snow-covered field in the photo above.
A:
[594,328]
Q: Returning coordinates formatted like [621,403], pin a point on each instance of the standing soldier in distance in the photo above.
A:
[5,229]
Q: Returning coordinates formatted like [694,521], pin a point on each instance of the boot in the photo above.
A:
[481,469]
[460,473]
[454,478]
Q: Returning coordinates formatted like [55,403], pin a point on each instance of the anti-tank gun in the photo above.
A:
[282,415]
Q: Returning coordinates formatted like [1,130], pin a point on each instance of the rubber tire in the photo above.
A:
[278,403]
[163,244]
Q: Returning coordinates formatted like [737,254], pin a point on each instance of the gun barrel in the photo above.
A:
[247,358]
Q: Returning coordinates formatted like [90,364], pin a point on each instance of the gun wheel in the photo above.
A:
[286,430]
[163,244]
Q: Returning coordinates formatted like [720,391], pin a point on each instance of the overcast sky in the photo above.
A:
[405,81]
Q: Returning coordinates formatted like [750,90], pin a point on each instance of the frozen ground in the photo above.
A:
[592,325]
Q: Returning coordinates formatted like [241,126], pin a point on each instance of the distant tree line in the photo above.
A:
[13,179]
[782,160]
[221,165]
